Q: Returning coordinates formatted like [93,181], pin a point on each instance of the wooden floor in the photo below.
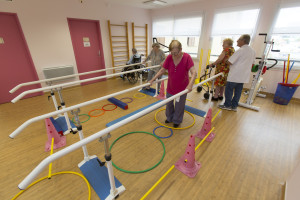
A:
[250,158]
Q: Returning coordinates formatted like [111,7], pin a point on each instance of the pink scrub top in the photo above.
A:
[178,75]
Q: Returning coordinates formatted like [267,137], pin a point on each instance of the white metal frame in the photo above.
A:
[75,82]
[68,76]
[257,80]
[38,169]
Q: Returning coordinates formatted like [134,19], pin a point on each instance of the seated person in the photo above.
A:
[135,58]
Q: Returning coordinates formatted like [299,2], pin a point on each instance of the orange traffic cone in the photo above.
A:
[59,141]
[206,127]
[187,164]
[162,94]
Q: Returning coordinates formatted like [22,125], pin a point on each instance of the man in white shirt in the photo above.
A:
[239,73]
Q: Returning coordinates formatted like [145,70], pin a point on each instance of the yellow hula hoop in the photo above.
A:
[46,177]
[139,97]
[173,127]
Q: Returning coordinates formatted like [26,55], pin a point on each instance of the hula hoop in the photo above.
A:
[82,121]
[46,177]
[173,127]
[141,171]
[139,97]
[164,127]
[127,98]
[108,105]
[103,111]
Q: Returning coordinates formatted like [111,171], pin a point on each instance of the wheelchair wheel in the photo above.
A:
[206,95]
[199,88]
[132,77]
[144,75]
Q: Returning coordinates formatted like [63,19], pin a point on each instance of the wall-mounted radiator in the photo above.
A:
[53,72]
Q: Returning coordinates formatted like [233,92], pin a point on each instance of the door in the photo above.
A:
[87,45]
[16,65]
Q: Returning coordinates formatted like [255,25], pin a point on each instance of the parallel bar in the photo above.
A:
[76,82]
[38,169]
[64,77]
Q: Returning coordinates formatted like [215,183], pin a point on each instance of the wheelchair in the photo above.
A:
[134,76]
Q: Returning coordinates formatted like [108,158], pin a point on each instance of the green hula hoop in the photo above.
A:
[82,121]
[142,171]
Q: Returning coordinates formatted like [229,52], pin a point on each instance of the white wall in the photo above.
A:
[46,30]
[269,10]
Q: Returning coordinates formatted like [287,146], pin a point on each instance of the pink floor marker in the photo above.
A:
[187,164]
[162,94]
[59,141]
[206,127]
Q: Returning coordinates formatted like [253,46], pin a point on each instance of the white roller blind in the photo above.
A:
[288,21]
[162,27]
[188,26]
[235,23]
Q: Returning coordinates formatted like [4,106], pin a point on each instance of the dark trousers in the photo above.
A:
[175,113]
[233,88]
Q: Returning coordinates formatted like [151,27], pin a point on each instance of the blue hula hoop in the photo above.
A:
[164,127]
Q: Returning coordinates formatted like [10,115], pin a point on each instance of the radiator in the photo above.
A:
[53,72]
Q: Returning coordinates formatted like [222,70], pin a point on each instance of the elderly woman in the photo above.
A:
[178,64]
[135,58]
[222,66]
[157,56]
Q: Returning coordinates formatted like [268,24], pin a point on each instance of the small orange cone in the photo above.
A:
[187,164]
[162,94]
[59,141]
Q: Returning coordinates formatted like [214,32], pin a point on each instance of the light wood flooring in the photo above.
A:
[250,158]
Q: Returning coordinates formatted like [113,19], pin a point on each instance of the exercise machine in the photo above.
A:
[257,79]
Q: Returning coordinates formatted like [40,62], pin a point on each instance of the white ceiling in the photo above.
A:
[140,4]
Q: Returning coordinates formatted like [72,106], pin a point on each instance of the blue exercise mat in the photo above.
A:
[130,114]
[195,111]
[63,124]
[150,92]
[98,177]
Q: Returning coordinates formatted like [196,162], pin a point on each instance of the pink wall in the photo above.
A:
[45,26]
[268,12]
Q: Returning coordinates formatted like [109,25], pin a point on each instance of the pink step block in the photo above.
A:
[59,141]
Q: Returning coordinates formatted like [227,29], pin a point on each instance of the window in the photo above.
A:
[286,35]
[185,29]
[232,25]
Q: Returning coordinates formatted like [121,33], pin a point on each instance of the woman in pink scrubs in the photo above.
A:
[178,64]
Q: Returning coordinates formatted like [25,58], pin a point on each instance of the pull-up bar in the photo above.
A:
[20,96]
[69,76]
[38,169]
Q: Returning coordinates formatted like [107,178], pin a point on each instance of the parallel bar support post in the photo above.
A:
[113,189]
